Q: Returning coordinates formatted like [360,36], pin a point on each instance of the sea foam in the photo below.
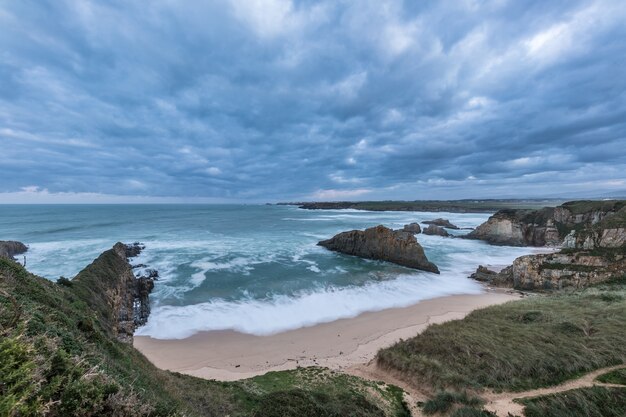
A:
[281,313]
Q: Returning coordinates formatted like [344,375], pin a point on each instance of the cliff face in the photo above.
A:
[10,248]
[553,226]
[562,270]
[109,286]
[382,243]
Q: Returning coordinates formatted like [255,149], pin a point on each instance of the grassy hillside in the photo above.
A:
[587,402]
[58,358]
[531,343]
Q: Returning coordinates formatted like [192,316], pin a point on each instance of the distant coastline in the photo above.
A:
[450,206]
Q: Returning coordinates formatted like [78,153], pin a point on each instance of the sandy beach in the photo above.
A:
[229,355]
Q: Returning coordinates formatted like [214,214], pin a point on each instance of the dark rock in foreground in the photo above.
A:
[10,248]
[382,243]
[110,287]
[443,223]
[436,231]
[412,228]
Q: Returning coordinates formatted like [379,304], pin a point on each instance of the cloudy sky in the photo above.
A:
[268,100]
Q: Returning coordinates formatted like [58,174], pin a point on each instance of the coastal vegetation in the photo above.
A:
[588,402]
[536,342]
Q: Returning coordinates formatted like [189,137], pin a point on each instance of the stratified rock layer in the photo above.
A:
[382,243]
[556,271]
[577,224]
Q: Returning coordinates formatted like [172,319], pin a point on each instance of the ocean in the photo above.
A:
[251,268]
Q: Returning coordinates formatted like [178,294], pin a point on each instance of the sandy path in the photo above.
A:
[503,403]
[372,372]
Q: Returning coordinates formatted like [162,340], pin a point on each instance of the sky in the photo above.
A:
[291,100]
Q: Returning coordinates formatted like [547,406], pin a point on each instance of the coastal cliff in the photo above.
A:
[110,287]
[593,250]
[551,226]
[382,243]
[555,271]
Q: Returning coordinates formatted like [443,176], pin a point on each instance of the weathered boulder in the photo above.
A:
[382,243]
[109,286]
[436,231]
[483,274]
[10,248]
[412,228]
[442,222]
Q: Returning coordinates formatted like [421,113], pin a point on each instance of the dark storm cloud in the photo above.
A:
[279,99]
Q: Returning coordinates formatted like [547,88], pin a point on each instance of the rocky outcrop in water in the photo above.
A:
[580,224]
[382,243]
[109,285]
[442,223]
[484,274]
[436,231]
[414,228]
[10,248]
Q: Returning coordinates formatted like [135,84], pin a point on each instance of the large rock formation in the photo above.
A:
[383,244]
[10,248]
[558,270]
[436,231]
[608,232]
[110,287]
[442,222]
[551,226]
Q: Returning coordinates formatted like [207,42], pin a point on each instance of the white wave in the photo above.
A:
[281,312]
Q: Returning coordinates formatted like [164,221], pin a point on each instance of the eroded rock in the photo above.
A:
[382,243]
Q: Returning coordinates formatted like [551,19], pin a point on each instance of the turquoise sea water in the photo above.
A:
[250,268]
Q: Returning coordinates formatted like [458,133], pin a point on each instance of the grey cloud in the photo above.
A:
[211,100]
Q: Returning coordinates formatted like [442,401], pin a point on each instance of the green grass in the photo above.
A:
[472,412]
[585,206]
[445,401]
[584,402]
[57,353]
[525,344]
[616,377]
